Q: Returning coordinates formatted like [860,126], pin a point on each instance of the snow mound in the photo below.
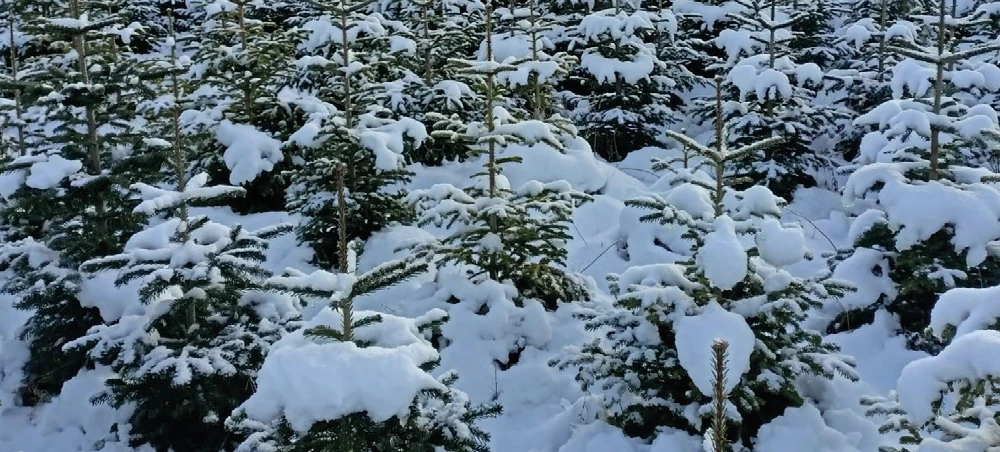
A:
[249,152]
[966,309]
[49,173]
[723,257]
[804,428]
[695,337]
[317,382]
[598,437]
[779,246]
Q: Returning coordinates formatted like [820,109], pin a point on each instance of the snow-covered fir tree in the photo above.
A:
[619,93]
[365,375]
[66,200]
[525,45]
[652,362]
[345,55]
[865,63]
[186,350]
[918,184]
[813,37]
[949,402]
[14,44]
[242,61]
[773,96]
[506,234]
[434,90]
[578,207]
[502,261]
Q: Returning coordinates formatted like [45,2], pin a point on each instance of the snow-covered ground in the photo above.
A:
[544,408]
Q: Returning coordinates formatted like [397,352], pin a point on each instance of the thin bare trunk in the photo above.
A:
[539,110]
[348,89]
[938,91]
[881,46]
[179,153]
[720,149]
[428,57]
[18,108]
[490,126]
[248,93]
[346,305]
[771,49]
[93,140]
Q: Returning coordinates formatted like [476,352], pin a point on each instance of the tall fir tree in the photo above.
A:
[434,91]
[775,97]
[70,205]
[865,64]
[509,234]
[619,94]
[186,352]
[242,61]
[15,44]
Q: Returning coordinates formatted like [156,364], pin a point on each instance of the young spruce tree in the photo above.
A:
[775,97]
[435,93]
[364,343]
[919,177]
[242,62]
[948,402]
[619,94]
[508,235]
[345,54]
[637,366]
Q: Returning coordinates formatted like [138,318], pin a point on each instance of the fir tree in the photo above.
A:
[438,418]
[340,88]
[537,68]
[912,156]
[71,206]
[619,94]
[16,133]
[775,97]
[866,62]
[242,63]
[508,235]
[636,366]
[186,353]
[435,92]
[948,402]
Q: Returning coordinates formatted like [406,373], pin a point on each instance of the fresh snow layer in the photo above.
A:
[779,246]
[804,429]
[49,173]
[695,337]
[968,310]
[544,409]
[317,382]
